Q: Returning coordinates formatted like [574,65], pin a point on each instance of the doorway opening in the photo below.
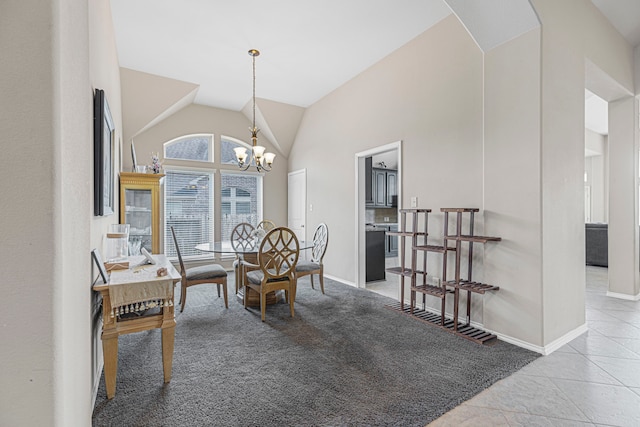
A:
[379,197]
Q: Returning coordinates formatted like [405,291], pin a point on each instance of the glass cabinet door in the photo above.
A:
[138,214]
[140,195]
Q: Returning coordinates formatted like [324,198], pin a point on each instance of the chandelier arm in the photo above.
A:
[247,165]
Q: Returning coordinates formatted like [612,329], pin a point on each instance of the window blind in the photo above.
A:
[189,209]
[241,201]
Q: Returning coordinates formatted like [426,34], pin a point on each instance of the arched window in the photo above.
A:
[227,144]
[190,198]
[197,147]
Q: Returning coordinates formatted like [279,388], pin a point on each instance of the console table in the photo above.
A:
[127,299]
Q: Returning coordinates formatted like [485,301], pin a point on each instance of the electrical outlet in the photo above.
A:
[437,281]
[414,202]
[310,207]
[386,219]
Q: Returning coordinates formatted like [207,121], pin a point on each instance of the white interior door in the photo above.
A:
[297,201]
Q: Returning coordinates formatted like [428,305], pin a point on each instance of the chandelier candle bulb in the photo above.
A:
[268,157]
[258,151]
[241,154]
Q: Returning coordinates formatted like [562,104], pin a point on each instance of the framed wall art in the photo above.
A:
[103,147]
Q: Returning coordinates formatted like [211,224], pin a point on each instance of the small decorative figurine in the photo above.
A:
[156,165]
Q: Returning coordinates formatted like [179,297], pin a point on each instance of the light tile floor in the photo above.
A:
[592,381]
[389,287]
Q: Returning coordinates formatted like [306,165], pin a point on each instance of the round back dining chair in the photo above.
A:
[314,265]
[277,259]
[241,240]
[266,225]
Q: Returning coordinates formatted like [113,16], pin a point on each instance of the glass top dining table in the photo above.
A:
[249,248]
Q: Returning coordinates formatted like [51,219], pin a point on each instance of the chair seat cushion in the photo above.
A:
[255,277]
[209,271]
[307,266]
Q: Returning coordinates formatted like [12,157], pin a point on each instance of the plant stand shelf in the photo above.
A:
[479,336]
[418,235]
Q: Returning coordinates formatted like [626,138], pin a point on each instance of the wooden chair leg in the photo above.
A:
[292,298]
[218,290]
[263,304]
[224,292]
[321,281]
[311,276]
[294,289]
[237,271]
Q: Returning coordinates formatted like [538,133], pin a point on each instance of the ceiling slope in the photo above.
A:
[277,121]
[493,22]
[148,99]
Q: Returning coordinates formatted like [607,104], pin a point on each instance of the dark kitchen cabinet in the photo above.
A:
[381,186]
[380,182]
[375,243]
[392,188]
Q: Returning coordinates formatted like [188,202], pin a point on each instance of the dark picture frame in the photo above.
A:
[103,145]
[98,260]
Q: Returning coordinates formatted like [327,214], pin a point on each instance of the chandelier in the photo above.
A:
[263,160]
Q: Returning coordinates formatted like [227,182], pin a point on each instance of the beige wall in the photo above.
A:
[512,188]
[427,94]
[571,31]
[105,75]
[48,226]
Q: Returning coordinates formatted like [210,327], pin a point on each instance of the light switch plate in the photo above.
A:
[414,202]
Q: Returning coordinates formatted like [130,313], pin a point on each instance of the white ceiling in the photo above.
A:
[308,48]
[624,15]
[205,42]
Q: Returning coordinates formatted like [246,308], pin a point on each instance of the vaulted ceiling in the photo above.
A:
[308,48]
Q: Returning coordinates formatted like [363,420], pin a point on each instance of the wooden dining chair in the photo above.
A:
[210,273]
[314,265]
[277,258]
[266,225]
[241,240]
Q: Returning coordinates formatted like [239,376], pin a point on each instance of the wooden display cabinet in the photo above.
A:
[140,198]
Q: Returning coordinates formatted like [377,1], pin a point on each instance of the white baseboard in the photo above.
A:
[623,296]
[338,279]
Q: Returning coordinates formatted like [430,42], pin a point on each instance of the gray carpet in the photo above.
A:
[344,360]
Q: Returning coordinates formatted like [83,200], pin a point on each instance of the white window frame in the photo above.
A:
[199,166]
[209,136]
